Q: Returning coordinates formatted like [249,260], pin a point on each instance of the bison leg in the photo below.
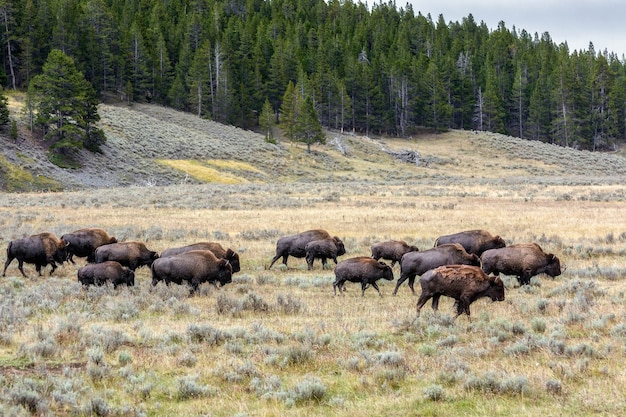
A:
[275,258]
[403,278]
[373,284]
[393,262]
[309,262]
[424,297]
[412,283]
[6,265]
[435,304]
[338,284]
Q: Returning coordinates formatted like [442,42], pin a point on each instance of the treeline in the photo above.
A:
[378,70]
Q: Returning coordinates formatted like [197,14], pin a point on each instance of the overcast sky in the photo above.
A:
[578,22]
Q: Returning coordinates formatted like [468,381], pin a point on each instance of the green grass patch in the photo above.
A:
[16,179]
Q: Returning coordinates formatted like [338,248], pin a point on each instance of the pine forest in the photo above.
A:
[379,69]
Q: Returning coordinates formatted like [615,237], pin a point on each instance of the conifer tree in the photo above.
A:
[267,120]
[65,106]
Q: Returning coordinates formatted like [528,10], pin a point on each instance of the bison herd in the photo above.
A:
[458,266]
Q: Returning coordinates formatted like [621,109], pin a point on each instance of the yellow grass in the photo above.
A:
[233,165]
[201,172]
[344,336]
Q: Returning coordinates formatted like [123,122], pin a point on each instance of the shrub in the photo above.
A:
[434,393]
[188,387]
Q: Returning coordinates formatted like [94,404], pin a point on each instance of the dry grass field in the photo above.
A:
[277,342]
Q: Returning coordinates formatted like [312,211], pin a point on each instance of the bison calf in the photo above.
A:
[217,249]
[361,269]
[392,250]
[194,267]
[109,271]
[324,249]
[464,283]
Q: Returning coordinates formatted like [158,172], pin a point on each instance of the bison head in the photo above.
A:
[553,268]
[341,249]
[496,289]
[387,271]
[225,272]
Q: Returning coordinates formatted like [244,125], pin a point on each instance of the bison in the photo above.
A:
[217,249]
[130,254]
[41,250]
[83,242]
[464,283]
[328,248]
[523,260]
[108,271]
[361,269]
[473,241]
[392,250]
[294,245]
[416,263]
[194,267]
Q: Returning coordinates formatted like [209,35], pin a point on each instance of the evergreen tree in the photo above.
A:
[307,128]
[4,109]
[289,111]
[267,120]
[65,106]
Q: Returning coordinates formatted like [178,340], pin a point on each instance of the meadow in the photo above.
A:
[277,342]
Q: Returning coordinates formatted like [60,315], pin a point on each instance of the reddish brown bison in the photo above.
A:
[361,269]
[464,283]
[83,242]
[109,271]
[473,241]
[417,263]
[194,267]
[41,250]
[523,260]
[392,250]
[215,247]
[328,248]
[294,245]
[130,254]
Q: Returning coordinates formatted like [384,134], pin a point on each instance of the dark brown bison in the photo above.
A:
[324,249]
[464,283]
[195,267]
[130,254]
[416,263]
[392,250]
[474,241]
[361,269]
[294,245]
[217,249]
[109,271]
[83,242]
[41,250]
[523,260]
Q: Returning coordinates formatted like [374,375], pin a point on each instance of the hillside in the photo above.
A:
[150,145]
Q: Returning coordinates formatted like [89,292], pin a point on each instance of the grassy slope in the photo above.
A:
[152,145]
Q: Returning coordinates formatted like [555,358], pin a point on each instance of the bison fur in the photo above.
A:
[215,247]
[417,263]
[324,249]
[40,249]
[130,254]
[361,269]
[83,242]
[523,260]
[194,267]
[294,245]
[392,250]
[464,283]
[473,241]
[109,271]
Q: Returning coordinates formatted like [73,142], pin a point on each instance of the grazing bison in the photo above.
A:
[194,267]
[523,260]
[361,269]
[392,250]
[324,249]
[109,271]
[294,245]
[41,249]
[83,242]
[416,263]
[474,241]
[464,283]
[130,254]
[217,249]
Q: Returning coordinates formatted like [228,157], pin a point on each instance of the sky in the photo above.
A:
[602,22]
